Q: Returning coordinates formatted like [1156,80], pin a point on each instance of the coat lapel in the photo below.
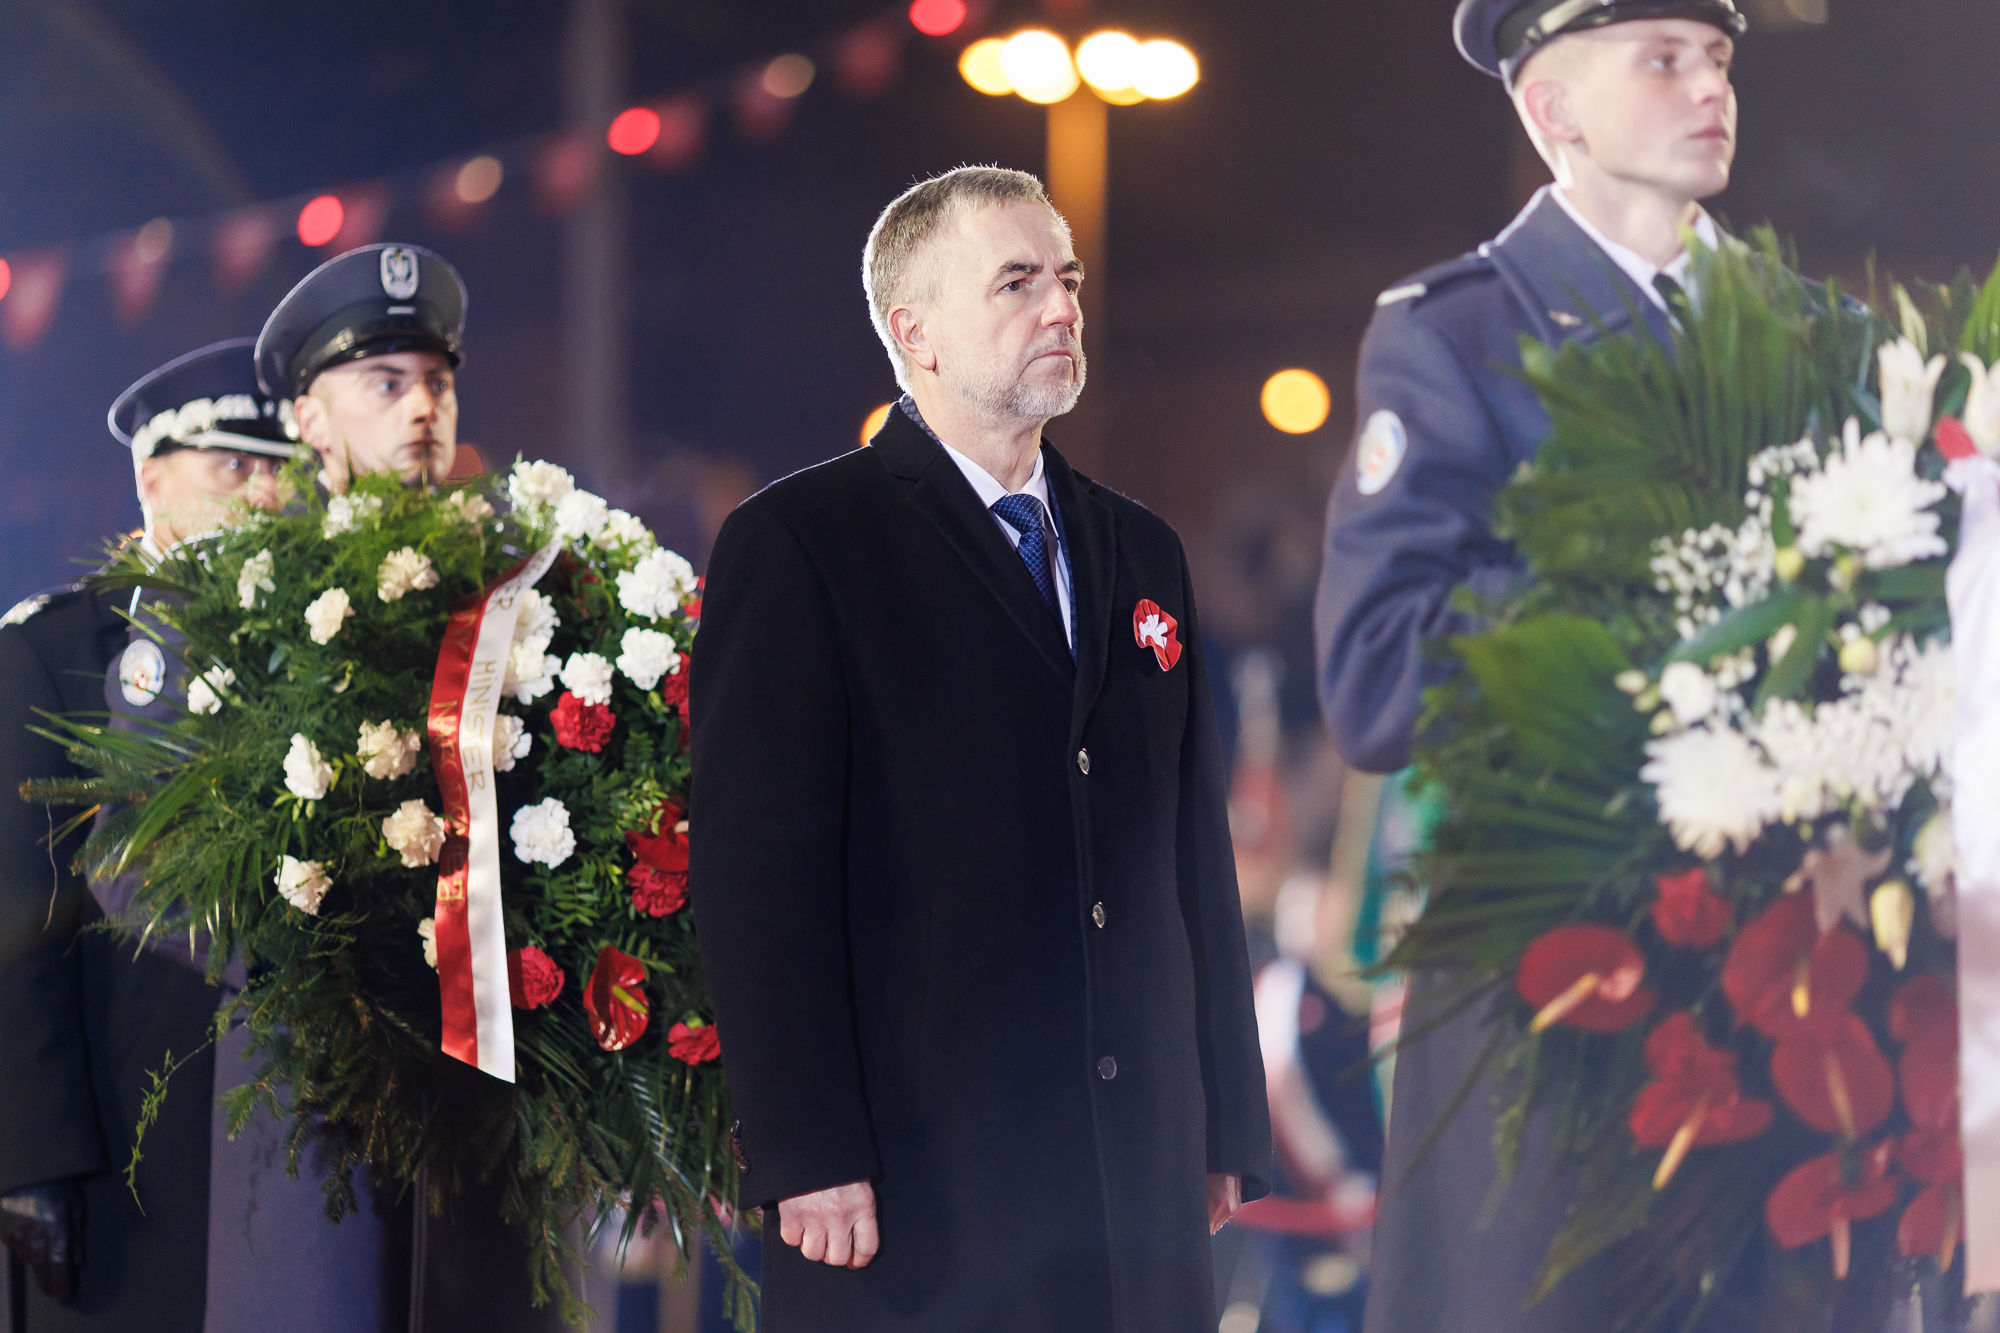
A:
[940,492]
[1568,285]
[1092,536]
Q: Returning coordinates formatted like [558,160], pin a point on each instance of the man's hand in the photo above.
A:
[837,1226]
[43,1226]
[1225,1196]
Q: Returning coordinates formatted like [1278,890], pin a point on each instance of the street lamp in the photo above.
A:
[1108,68]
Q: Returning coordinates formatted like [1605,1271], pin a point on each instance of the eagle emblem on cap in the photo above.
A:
[399,273]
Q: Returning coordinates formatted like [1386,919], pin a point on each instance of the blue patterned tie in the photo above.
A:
[1024,514]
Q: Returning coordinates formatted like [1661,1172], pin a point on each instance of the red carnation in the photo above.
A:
[1832,1077]
[1687,913]
[1782,973]
[582,726]
[1813,1201]
[615,999]
[694,1044]
[1585,976]
[1693,1100]
[668,849]
[533,979]
[657,892]
[674,685]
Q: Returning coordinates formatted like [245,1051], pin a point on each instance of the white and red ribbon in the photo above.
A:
[471,937]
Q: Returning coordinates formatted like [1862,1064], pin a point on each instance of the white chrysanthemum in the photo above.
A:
[1869,499]
[326,613]
[1908,384]
[623,529]
[538,485]
[1713,788]
[307,776]
[511,741]
[254,577]
[206,690]
[468,506]
[414,833]
[346,513]
[386,752]
[646,655]
[657,585]
[404,572]
[581,515]
[1689,691]
[427,931]
[542,833]
[302,884]
[588,677]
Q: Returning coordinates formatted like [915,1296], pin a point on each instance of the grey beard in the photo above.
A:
[1032,402]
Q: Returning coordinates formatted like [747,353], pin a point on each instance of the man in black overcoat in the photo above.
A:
[961,865]
[1630,102]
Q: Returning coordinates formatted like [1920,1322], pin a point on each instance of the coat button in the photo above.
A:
[1107,1068]
[1083,762]
[1097,915]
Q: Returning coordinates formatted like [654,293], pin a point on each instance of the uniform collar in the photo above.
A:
[1568,286]
[1636,266]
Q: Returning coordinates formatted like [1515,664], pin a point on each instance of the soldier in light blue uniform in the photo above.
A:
[1630,103]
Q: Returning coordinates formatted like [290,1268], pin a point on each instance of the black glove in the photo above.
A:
[43,1226]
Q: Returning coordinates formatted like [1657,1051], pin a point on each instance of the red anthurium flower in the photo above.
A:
[657,892]
[582,726]
[1822,1196]
[1687,913]
[674,686]
[1833,1078]
[1954,440]
[1585,976]
[1782,973]
[615,999]
[533,979]
[694,1043]
[668,849]
[1693,1100]
[1931,1223]
[1923,1009]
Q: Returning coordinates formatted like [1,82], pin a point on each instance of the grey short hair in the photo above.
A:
[890,271]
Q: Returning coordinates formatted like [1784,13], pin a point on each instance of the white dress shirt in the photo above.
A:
[1635,265]
[1037,485]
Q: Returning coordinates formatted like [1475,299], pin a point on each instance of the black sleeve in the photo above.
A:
[48,1112]
[767,826]
[1239,1121]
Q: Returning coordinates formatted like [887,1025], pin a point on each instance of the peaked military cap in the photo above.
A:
[367,302]
[208,399]
[1498,35]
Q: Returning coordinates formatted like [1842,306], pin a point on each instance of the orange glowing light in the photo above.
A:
[1296,401]
[634,131]
[478,180]
[980,65]
[875,422]
[935,18]
[1038,66]
[320,219]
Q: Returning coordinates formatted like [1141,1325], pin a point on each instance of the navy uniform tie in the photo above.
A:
[1024,514]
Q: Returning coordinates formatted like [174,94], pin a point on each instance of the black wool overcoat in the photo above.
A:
[968,906]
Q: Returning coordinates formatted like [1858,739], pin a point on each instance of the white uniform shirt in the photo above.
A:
[1635,265]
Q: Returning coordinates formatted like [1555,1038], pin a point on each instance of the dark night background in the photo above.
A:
[1331,147]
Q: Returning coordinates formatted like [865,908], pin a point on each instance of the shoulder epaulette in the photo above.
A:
[29,607]
[1433,279]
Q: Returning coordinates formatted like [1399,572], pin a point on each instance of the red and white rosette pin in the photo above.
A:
[1155,629]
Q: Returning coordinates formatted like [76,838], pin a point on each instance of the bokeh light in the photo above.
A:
[154,241]
[320,219]
[874,422]
[788,75]
[1296,401]
[6,278]
[478,180]
[1165,69]
[980,65]
[634,131]
[1108,61]
[1037,64]
[935,18]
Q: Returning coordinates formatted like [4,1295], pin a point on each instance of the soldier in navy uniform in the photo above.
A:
[1630,103]
[83,1020]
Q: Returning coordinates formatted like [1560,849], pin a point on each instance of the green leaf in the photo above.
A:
[1741,628]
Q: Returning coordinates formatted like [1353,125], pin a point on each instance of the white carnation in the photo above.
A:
[1713,789]
[346,513]
[511,741]
[542,833]
[302,884]
[255,576]
[647,655]
[538,485]
[307,776]
[1689,691]
[623,529]
[405,571]
[415,833]
[530,674]
[469,506]
[588,677]
[1868,499]
[657,585]
[581,514]
[386,752]
[205,691]
[427,931]
[326,614]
